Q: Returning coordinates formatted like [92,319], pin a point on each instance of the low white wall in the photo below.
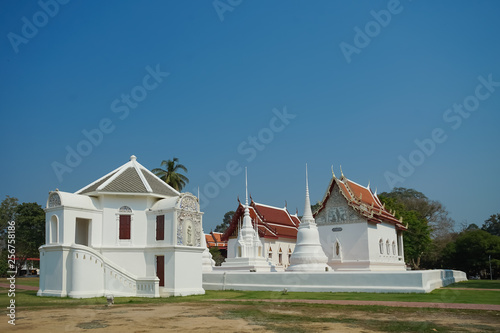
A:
[80,272]
[396,282]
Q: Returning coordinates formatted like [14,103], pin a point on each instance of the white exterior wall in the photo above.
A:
[138,225]
[358,239]
[380,282]
[388,234]
[353,240]
[275,244]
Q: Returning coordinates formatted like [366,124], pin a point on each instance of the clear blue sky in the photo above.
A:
[228,72]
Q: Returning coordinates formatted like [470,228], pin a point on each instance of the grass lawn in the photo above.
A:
[28,298]
[480,284]
[28,281]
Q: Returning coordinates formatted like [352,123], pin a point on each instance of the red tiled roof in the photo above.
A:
[362,200]
[214,239]
[272,222]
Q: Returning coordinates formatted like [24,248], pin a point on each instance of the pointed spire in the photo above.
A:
[198,194]
[246,187]
[308,216]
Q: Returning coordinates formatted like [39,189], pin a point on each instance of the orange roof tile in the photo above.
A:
[362,200]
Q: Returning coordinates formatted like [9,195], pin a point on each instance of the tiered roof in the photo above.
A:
[272,222]
[214,239]
[362,200]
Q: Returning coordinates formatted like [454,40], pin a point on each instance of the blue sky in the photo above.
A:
[67,70]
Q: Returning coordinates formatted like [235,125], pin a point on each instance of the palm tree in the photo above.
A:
[170,174]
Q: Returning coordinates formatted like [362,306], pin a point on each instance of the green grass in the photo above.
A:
[30,281]
[298,317]
[480,284]
[28,298]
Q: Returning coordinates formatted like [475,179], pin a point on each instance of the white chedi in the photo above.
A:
[207,261]
[308,255]
[248,247]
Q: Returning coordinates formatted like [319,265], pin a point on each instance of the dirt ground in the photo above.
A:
[210,317]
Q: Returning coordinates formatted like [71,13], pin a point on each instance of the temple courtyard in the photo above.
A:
[471,306]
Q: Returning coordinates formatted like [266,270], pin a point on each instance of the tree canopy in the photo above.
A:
[471,252]
[432,211]
[492,225]
[171,173]
[417,238]
[30,230]
[7,211]
[225,222]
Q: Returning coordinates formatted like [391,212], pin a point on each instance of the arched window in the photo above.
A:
[125,210]
[388,247]
[381,246]
[270,253]
[280,256]
[53,230]
[337,249]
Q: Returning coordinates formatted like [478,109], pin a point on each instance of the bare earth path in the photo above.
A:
[219,317]
[18,286]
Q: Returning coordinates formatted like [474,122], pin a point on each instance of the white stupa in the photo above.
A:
[308,255]
[249,248]
[207,261]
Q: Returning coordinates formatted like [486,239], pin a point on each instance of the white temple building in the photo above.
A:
[308,255]
[248,246]
[127,234]
[356,231]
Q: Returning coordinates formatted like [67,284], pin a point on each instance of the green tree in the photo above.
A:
[416,239]
[432,211]
[315,207]
[471,250]
[4,267]
[492,225]
[30,231]
[217,256]
[228,217]
[171,173]
[7,211]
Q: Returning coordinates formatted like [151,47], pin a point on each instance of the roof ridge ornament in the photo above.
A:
[333,173]
[341,172]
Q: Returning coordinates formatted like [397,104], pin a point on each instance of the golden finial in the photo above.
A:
[333,173]
[341,172]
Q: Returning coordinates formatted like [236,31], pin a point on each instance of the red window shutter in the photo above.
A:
[160,227]
[125,226]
